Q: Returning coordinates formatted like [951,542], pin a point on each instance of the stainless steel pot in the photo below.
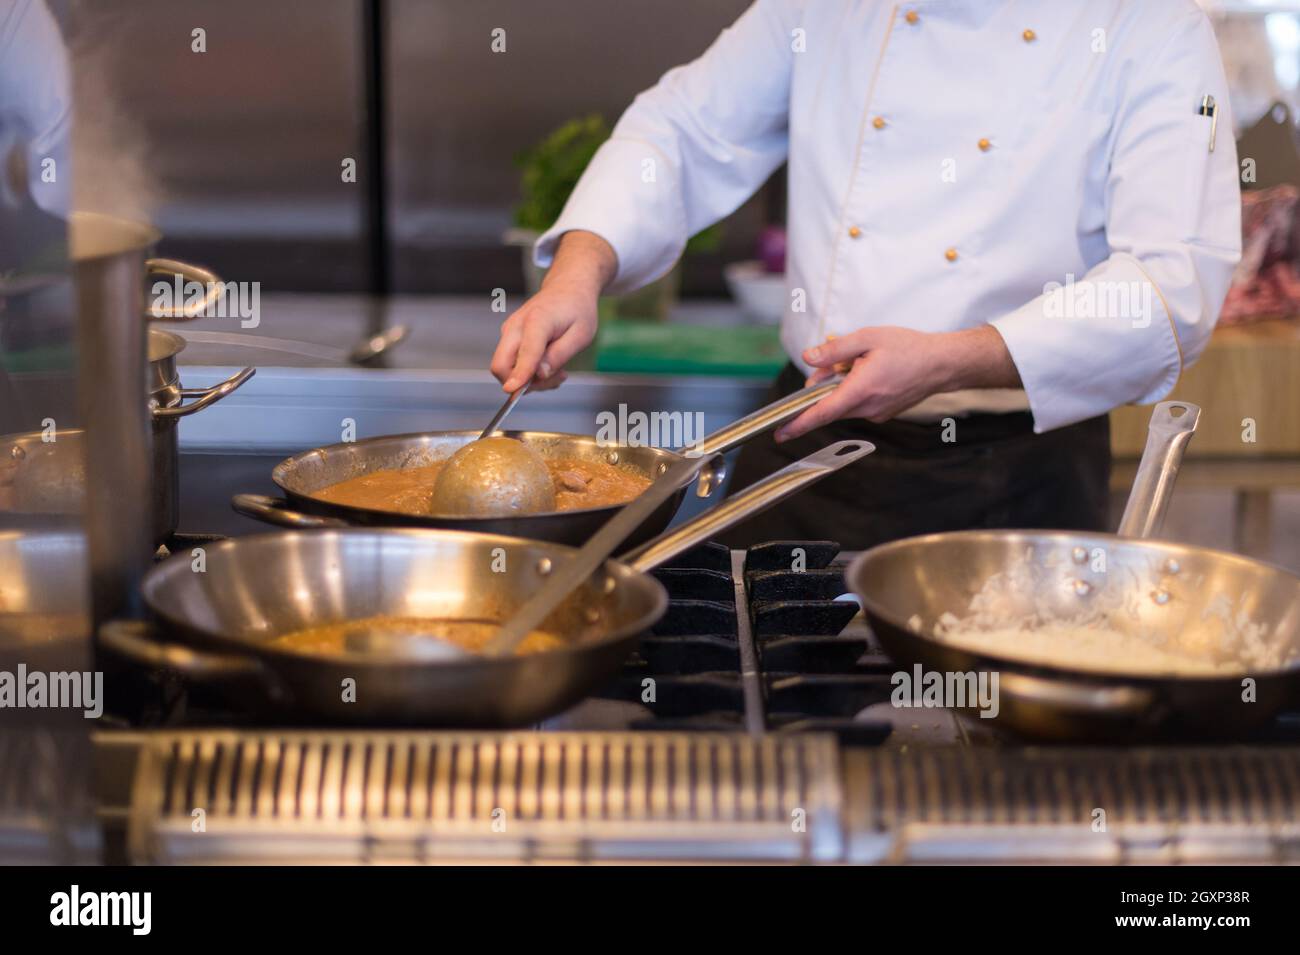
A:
[1175,590]
[217,625]
[304,475]
[45,473]
[169,401]
[92,235]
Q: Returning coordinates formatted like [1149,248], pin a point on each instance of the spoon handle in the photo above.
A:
[571,574]
[504,410]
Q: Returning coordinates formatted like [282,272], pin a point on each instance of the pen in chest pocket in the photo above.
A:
[1208,108]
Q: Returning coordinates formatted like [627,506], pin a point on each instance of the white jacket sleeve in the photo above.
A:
[689,150]
[35,99]
[1173,225]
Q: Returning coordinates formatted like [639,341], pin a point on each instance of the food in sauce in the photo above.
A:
[493,477]
[471,635]
[578,484]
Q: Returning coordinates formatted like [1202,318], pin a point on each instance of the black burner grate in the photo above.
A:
[771,654]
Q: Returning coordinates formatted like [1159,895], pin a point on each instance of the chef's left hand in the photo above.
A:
[893,369]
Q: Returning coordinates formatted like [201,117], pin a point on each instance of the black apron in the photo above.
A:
[996,474]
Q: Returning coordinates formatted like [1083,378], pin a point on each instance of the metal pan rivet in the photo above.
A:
[1082,588]
[1172,566]
[1079,555]
[662,469]
[17,452]
[612,457]
[544,566]
[1161,597]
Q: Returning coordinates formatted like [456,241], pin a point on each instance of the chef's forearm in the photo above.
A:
[584,262]
[977,358]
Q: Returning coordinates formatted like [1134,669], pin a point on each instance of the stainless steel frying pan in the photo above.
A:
[303,475]
[1214,606]
[217,624]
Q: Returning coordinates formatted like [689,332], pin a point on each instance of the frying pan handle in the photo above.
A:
[766,418]
[752,500]
[276,510]
[1095,699]
[135,640]
[1172,424]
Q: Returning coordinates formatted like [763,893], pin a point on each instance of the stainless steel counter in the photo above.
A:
[437,379]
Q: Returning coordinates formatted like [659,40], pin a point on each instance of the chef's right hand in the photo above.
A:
[560,320]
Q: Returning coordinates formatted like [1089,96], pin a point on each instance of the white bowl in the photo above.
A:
[761,294]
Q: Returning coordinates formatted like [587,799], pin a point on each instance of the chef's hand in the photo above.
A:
[560,320]
[891,369]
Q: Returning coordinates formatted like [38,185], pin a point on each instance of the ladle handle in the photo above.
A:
[772,489]
[505,409]
[571,574]
[766,418]
[1172,424]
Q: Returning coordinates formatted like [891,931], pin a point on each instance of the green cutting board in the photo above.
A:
[666,348]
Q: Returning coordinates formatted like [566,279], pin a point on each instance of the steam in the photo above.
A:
[112,168]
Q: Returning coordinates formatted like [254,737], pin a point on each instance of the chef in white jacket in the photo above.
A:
[1006,216]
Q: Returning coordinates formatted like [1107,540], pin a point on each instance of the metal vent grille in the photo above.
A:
[1143,805]
[415,797]
[47,815]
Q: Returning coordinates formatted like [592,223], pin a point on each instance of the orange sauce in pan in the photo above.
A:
[331,638]
[578,484]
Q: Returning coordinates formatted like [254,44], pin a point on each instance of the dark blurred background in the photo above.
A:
[246,140]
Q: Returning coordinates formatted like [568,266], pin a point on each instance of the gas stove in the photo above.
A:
[753,724]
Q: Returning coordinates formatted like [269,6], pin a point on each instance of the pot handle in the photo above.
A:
[204,396]
[1172,424]
[191,273]
[766,418]
[759,497]
[1096,699]
[276,510]
[135,640]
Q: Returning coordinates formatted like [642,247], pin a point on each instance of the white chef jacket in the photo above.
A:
[954,163]
[35,101]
